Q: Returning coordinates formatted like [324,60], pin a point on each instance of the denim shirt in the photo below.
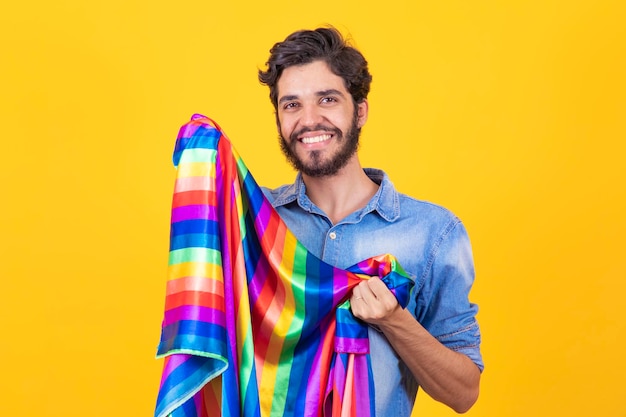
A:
[431,245]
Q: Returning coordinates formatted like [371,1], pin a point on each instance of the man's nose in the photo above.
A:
[311,115]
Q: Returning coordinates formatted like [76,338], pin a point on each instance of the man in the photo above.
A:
[343,214]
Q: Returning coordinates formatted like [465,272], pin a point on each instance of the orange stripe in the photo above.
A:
[324,364]
[347,407]
[268,305]
[273,239]
[202,284]
[194,183]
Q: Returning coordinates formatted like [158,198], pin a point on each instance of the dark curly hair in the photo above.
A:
[322,44]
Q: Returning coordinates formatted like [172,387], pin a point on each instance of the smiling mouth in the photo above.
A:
[316,139]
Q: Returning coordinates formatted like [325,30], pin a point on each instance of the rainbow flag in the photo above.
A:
[255,325]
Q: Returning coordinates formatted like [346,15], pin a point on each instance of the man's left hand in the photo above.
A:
[373,302]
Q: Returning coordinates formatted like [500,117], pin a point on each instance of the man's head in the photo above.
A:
[322,44]
[319,86]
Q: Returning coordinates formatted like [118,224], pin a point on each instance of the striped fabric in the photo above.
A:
[255,325]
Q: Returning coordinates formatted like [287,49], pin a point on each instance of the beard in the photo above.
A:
[318,166]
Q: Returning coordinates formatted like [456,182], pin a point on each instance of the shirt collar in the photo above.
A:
[386,201]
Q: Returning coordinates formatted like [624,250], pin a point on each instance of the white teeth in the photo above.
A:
[315,139]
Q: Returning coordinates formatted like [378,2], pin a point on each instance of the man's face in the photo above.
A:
[318,123]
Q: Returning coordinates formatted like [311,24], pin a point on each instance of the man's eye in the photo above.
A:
[329,100]
[290,106]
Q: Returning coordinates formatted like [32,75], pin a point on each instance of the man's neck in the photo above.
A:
[341,194]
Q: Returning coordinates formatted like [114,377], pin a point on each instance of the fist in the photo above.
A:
[373,302]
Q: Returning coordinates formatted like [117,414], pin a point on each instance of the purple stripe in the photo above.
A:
[362,386]
[262,218]
[341,285]
[187,130]
[258,279]
[352,345]
[196,313]
[173,362]
[193,212]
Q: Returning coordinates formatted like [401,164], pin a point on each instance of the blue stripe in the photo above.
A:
[197,336]
[195,240]
[191,373]
[194,226]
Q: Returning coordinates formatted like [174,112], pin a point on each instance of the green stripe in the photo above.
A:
[297,279]
[247,366]
[198,155]
[206,255]
[242,169]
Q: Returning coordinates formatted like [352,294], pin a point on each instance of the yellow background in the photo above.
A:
[512,114]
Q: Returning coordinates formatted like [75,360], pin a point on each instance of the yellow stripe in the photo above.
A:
[282,325]
[196,169]
[245,344]
[195,269]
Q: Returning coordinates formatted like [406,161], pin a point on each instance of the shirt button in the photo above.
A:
[332,235]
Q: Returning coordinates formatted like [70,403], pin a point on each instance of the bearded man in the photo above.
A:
[343,214]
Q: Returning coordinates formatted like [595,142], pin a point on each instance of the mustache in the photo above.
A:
[294,136]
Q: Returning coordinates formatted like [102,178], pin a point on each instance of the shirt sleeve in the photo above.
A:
[442,303]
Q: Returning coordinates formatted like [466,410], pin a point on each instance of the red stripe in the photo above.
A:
[212,397]
[194,298]
[199,197]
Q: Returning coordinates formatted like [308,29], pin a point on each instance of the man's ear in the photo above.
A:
[362,111]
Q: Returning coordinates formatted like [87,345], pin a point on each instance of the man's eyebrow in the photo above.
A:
[287,98]
[329,92]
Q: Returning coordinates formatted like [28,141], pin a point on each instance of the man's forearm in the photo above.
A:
[446,375]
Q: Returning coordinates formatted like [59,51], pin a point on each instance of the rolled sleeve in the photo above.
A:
[442,301]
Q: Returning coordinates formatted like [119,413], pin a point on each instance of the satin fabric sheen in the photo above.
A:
[255,325]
